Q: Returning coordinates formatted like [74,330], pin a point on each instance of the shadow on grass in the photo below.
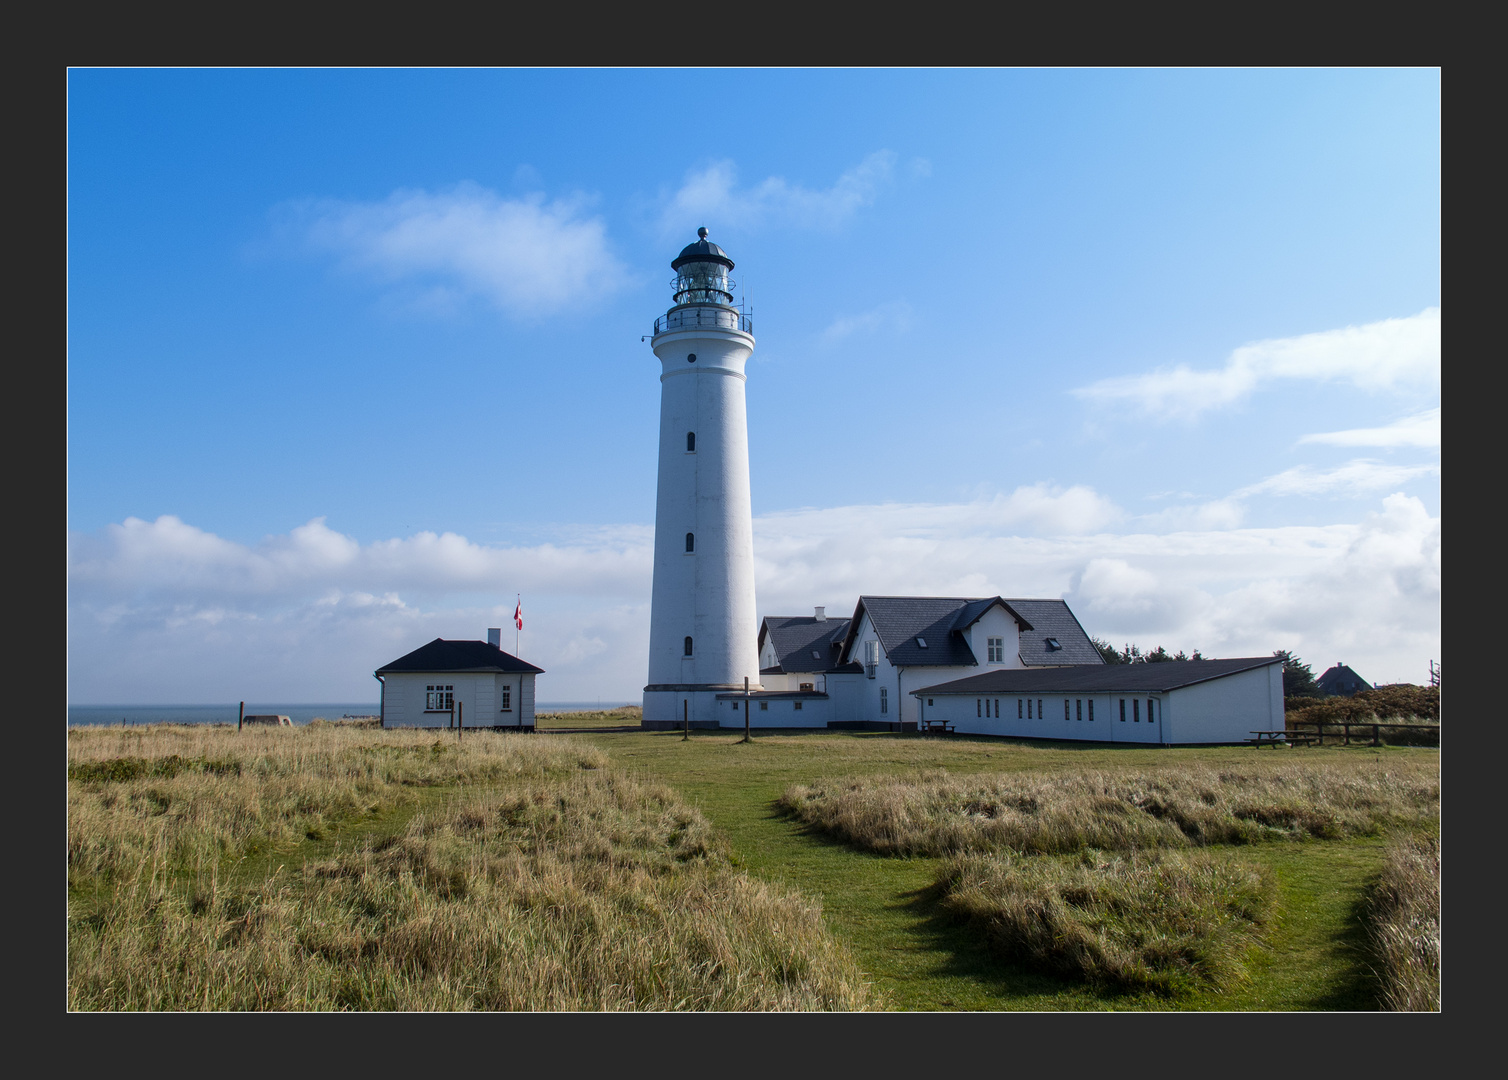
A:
[956,951]
[1358,988]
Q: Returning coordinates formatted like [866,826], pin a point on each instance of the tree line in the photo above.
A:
[1298,678]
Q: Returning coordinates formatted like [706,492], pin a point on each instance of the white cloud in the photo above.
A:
[711,196]
[1378,356]
[894,318]
[1421,429]
[1367,592]
[525,255]
[1354,478]
[163,612]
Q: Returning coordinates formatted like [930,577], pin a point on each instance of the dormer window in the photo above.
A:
[921,642]
[1052,644]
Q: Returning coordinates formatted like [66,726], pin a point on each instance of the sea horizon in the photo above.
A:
[298,712]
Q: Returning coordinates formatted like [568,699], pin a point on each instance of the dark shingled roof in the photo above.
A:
[456,656]
[1341,681]
[941,620]
[796,637]
[1133,678]
[1052,619]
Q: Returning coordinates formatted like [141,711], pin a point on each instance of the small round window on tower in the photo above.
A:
[691,358]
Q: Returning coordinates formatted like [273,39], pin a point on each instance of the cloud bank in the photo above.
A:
[163,612]
[1378,356]
[522,255]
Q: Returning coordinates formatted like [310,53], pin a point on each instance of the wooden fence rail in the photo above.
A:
[1297,726]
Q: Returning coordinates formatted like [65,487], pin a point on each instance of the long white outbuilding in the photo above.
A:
[1181,702]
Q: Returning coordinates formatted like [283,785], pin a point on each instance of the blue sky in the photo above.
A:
[355,358]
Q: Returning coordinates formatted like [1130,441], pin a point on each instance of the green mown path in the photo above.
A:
[883,907]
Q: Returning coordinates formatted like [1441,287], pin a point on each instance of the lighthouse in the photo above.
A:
[702,621]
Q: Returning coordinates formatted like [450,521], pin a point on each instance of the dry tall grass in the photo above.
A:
[201,794]
[1161,921]
[936,814]
[549,882]
[1405,924]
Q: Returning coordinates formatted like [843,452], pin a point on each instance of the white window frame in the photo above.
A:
[439,697]
[996,650]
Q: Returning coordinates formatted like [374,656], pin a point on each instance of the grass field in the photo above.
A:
[872,917]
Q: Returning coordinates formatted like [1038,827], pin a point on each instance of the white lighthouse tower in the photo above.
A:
[702,622]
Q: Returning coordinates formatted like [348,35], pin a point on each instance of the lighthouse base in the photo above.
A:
[672,706]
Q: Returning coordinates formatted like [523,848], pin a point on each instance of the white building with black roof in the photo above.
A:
[473,684]
[1182,702]
[860,671]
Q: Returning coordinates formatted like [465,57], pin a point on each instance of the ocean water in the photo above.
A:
[115,715]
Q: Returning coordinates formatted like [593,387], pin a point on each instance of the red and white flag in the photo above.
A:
[518,614]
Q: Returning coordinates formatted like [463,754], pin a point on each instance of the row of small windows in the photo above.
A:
[442,698]
[764,706]
[1073,708]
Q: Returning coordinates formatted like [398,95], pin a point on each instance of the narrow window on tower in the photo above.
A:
[690,543]
[688,646]
[690,442]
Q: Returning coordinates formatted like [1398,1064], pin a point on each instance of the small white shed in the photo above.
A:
[473,683]
[1180,702]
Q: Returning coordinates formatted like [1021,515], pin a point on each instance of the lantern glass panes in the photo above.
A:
[703,283]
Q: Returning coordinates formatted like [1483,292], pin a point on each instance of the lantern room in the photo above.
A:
[701,271]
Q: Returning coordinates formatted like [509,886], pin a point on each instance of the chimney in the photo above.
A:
[821,614]
[495,636]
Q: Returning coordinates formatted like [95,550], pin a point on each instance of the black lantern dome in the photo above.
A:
[702,273]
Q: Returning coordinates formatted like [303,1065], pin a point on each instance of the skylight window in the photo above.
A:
[816,655]
[921,641]
[1052,644]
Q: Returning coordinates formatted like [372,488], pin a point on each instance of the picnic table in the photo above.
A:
[1278,738]
[937,725]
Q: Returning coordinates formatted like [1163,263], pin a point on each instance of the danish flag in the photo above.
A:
[518,614]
